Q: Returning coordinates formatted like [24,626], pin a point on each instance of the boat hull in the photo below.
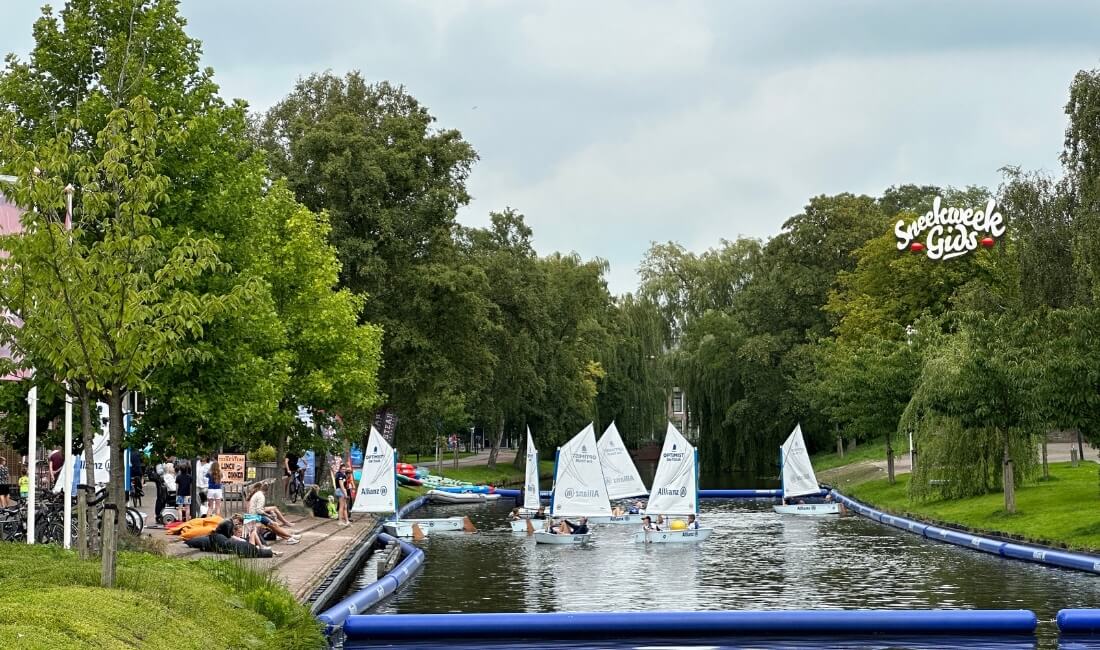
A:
[691,536]
[633,520]
[520,525]
[542,537]
[437,525]
[439,496]
[809,509]
[402,528]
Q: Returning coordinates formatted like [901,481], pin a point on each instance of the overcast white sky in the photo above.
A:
[613,124]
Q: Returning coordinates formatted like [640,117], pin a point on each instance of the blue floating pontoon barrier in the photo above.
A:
[411,506]
[1028,552]
[1078,621]
[678,624]
[362,600]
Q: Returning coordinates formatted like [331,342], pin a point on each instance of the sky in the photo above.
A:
[611,125]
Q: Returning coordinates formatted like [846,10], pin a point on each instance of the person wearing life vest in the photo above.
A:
[693,523]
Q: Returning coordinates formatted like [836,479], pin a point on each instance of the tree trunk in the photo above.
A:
[851,445]
[1080,446]
[839,445]
[889,460]
[1009,481]
[1046,468]
[496,445]
[108,544]
[82,524]
[520,459]
[114,514]
[87,436]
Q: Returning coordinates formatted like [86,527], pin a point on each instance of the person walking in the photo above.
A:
[214,495]
[340,485]
[183,492]
[5,483]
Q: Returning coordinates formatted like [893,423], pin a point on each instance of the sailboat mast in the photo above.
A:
[554,485]
[395,500]
[695,505]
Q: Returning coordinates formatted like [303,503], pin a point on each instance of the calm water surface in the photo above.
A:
[755,559]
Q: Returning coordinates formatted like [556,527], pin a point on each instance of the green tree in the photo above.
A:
[368,155]
[109,302]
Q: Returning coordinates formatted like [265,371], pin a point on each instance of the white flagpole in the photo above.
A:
[67,535]
[32,460]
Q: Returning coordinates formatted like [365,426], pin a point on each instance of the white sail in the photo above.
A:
[675,485]
[377,490]
[531,484]
[619,473]
[578,479]
[798,473]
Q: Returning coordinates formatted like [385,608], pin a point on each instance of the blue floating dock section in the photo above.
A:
[1028,552]
[336,616]
[604,625]
[1079,621]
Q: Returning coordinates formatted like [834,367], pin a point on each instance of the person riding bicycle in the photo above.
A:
[290,470]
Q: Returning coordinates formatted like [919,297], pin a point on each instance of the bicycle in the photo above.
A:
[297,486]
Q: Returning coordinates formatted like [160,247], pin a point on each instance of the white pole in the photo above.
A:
[67,535]
[911,464]
[32,460]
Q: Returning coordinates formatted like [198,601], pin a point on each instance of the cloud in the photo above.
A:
[744,160]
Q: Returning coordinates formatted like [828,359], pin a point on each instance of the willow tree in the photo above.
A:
[109,301]
[974,410]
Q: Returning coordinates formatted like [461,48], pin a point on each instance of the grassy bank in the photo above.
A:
[871,450]
[1060,512]
[51,599]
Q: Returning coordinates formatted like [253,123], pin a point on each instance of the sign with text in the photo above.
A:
[232,466]
[949,231]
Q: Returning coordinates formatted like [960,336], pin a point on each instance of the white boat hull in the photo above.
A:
[542,537]
[439,496]
[437,525]
[691,536]
[402,528]
[809,509]
[520,525]
[634,519]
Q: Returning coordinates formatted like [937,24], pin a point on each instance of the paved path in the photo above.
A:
[302,566]
[1057,452]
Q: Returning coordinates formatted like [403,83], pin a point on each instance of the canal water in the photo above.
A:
[755,559]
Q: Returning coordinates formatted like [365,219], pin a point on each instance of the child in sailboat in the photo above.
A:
[649,526]
[693,523]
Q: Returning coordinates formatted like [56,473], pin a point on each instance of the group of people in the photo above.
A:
[174,482]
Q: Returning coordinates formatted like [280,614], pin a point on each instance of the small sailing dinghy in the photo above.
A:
[675,491]
[578,489]
[620,475]
[377,493]
[797,474]
[531,503]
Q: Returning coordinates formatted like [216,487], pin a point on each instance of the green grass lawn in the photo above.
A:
[871,450]
[1062,511]
[51,599]
[503,474]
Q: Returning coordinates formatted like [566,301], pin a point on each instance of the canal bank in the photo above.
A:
[1052,513]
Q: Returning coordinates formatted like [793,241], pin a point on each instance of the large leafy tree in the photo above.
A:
[109,301]
[369,155]
[95,56]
